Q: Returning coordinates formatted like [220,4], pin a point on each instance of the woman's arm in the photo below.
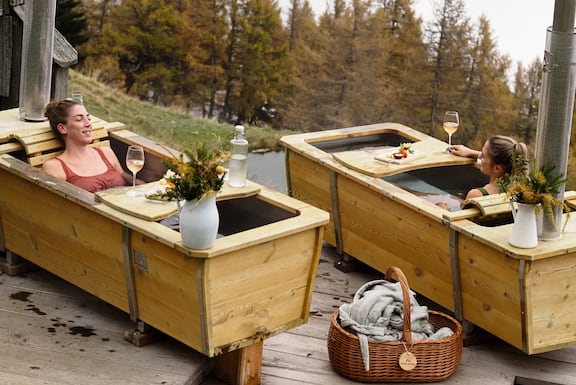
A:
[461,150]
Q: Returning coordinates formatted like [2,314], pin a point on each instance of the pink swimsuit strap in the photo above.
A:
[109,178]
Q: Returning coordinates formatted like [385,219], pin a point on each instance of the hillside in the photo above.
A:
[168,126]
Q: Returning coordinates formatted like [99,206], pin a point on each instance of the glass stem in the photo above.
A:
[133,180]
[449,139]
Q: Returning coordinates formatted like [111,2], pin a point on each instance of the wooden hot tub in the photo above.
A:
[255,282]
[459,259]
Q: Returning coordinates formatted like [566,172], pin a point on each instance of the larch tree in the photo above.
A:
[449,43]
[527,86]
[403,76]
[487,104]
[337,65]
[256,56]
[299,100]
[99,63]
[204,29]
[148,49]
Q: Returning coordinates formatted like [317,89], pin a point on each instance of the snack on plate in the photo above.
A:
[159,188]
[403,151]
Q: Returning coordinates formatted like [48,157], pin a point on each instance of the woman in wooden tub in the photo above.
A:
[90,168]
[495,161]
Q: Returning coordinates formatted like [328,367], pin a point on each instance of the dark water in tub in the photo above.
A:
[453,180]
[447,185]
[366,142]
[268,169]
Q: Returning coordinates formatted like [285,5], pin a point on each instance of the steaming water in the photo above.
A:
[268,169]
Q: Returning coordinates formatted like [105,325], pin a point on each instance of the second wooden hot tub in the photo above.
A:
[383,214]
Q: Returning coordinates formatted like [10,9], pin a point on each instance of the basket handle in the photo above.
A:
[407,324]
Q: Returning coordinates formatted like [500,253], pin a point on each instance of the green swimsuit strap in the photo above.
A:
[483,191]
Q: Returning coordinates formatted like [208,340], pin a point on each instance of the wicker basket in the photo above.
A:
[436,359]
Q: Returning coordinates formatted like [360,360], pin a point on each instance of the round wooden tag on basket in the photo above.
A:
[408,360]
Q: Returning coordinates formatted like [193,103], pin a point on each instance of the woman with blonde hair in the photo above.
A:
[496,160]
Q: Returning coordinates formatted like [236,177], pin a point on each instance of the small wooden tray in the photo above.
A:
[155,210]
[374,163]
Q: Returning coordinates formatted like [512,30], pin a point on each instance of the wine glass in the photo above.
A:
[451,122]
[134,162]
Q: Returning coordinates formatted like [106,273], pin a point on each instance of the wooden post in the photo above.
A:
[240,367]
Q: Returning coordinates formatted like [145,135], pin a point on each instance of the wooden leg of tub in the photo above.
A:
[12,264]
[347,264]
[240,367]
[143,335]
[473,335]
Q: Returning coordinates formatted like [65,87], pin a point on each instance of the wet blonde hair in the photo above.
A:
[502,150]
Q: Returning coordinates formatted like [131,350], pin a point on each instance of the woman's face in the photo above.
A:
[487,166]
[78,126]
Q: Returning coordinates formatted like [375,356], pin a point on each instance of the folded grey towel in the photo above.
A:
[377,313]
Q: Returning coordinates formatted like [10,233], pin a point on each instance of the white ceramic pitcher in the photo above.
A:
[524,231]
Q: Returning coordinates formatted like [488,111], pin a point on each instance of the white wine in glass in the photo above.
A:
[134,162]
[451,122]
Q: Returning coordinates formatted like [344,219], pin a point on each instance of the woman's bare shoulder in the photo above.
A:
[54,167]
[474,193]
[110,154]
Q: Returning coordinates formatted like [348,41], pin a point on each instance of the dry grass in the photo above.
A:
[169,126]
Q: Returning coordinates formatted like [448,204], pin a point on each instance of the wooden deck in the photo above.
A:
[54,334]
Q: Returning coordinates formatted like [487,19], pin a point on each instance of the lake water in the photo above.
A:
[268,169]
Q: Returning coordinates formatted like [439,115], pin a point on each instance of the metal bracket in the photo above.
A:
[455,267]
[140,260]
[336,212]
[2,241]
[129,273]
[521,284]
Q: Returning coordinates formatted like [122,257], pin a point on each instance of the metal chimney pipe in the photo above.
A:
[557,103]
[37,56]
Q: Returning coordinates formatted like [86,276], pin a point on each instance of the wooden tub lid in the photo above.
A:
[155,210]
[427,153]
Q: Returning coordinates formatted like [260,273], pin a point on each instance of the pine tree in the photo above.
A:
[71,21]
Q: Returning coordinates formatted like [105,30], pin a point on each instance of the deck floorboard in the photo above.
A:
[52,333]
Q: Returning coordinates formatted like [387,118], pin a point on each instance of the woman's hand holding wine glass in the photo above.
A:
[451,122]
[134,162]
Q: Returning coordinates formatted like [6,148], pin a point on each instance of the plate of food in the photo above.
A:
[402,154]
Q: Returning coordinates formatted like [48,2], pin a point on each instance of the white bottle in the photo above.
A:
[238,164]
